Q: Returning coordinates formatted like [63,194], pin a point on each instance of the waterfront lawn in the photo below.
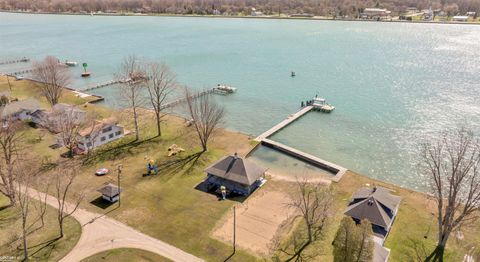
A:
[413,235]
[414,232]
[43,245]
[165,206]
[126,255]
[24,89]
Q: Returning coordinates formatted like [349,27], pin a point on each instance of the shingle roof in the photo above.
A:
[376,205]
[109,190]
[30,104]
[236,169]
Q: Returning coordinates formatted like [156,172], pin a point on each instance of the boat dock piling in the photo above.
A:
[337,170]
[284,123]
[21,60]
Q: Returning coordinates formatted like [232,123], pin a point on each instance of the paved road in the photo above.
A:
[100,233]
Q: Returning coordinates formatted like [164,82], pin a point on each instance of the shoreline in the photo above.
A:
[244,17]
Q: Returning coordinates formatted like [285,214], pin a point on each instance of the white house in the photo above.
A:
[102,132]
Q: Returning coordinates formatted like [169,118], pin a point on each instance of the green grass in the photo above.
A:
[42,243]
[126,255]
[24,89]
[166,206]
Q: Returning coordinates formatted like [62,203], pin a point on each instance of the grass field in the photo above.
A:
[126,255]
[43,245]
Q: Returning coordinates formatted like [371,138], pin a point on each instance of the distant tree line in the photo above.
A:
[349,8]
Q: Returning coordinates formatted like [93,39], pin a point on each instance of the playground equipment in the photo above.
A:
[151,166]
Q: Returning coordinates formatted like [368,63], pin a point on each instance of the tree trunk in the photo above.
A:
[159,130]
[60,224]
[135,121]
[25,244]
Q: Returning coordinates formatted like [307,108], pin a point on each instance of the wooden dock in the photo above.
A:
[184,99]
[103,84]
[21,60]
[284,123]
[336,170]
[21,72]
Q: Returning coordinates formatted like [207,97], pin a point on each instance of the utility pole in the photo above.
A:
[234,225]
[119,171]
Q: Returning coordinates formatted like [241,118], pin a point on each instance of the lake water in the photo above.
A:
[392,83]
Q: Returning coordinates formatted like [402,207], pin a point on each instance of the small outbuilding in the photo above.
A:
[238,175]
[110,192]
[377,205]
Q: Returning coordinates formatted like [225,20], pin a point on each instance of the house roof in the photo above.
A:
[236,169]
[109,190]
[65,107]
[374,204]
[99,124]
[30,104]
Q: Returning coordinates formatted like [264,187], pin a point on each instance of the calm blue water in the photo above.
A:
[392,83]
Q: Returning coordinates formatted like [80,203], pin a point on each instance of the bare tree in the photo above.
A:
[67,122]
[132,78]
[10,143]
[161,82]
[27,179]
[53,77]
[64,179]
[313,203]
[353,243]
[452,166]
[206,115]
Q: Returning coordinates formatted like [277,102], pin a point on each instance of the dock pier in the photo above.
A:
[337,170]
[21,72]
[183,99]
[21,60]
[283,124]
[104,84]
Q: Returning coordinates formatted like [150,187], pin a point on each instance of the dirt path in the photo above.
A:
[100,233]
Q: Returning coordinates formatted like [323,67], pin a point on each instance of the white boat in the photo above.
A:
[71,63]
[225,89]
[322,105]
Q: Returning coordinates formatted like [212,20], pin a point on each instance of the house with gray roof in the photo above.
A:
[379,207]
[376,205]
[238,175]
[19,110]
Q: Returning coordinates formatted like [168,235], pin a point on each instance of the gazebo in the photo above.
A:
[238,175]
[110,192]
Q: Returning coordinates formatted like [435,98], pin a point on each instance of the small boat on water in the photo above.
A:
[70,63]
[225,89]
[292,74]
[321,104]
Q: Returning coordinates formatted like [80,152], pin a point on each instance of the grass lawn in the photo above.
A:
[413,235]
[42,243]
[126,255]
[166,206]
[24,89]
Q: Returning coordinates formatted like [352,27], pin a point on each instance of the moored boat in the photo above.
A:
[322,105]
[70,63]
[225,89]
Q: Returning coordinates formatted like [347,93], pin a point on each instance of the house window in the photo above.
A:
[108,129]
[110,136]
[103,138]
[118,133]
